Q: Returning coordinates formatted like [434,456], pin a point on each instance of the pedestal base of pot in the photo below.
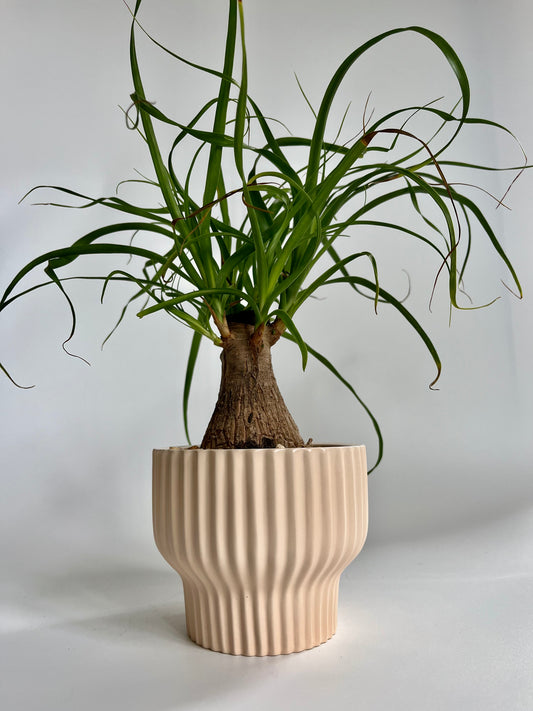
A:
[260,538]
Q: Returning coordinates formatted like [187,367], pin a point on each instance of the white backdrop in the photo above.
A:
[75,450]
[65,71]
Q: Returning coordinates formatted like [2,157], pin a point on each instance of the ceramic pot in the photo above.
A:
[260,538]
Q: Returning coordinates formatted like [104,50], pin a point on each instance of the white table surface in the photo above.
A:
[444,624]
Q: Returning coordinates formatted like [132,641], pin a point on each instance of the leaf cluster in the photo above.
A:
[296,197]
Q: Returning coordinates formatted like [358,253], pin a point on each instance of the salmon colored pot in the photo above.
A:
[260,538]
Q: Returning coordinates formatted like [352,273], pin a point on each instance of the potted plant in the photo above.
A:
[259,524]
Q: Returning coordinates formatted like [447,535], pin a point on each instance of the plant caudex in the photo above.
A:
[240,284]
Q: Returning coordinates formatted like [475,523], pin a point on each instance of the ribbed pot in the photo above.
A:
[260,538]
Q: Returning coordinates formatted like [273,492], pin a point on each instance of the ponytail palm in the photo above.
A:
[240,282]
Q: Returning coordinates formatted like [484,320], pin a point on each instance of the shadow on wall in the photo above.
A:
[445,496]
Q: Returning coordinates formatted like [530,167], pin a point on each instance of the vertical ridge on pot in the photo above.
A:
[260,538]
[276,543]
[286,555]
[234,609]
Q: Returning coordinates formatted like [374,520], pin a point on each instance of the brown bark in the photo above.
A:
[250,412]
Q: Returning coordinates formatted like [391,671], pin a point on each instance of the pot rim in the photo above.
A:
[268,452]
[307,447]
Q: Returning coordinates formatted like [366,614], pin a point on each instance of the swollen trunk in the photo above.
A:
[250,412]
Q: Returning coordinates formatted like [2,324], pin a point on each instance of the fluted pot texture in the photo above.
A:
[260,539]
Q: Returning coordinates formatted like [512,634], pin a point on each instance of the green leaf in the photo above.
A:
[21,387]
[61,257]
[340,265]
[183,298]
[385,296]
[291,327]
[331,91]
[191,363]
[215,155]
[325,362]
[163,177]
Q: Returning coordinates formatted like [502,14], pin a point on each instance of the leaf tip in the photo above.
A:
[520,294]
[21,387]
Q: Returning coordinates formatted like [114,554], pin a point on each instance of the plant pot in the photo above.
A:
[260,538]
